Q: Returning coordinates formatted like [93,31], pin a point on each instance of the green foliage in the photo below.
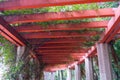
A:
[2,0]
[116,63]
[54,9]
[109,4]
[7,56]
[6,51]
[12,71]
[117,47]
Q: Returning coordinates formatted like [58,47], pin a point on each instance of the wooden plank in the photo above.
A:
[59,51]
[55,68]
[55,60]
[57,41]
[64,48]
[8,37]
[51,16]
[62,44]
[12,35]
[71,54]
[61,27]
[56,47]
[64,54]
[113,27]
[23,4]
[57,35]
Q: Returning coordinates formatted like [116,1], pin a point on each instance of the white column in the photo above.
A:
[88,69]
[46,75]
[104,61]
[69,74]
[61,76]
[20,52]
[52,76]
[77,72]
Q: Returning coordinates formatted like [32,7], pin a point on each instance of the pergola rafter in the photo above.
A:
[50,16]
[12,35]
[39,35]
[62,27]
[59,41]
[23,4]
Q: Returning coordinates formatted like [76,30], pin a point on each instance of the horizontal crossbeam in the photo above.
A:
[57,35]
[23,4]
[10,34]
[42,17]
[61,27]
[57,41]
[113,27]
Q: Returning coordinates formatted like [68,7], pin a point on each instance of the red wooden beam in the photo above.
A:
[54,56]
[53,59]
[42,17]
[9,33]
[50,50]
[55,67]
[63,54]
[62,44]
[71,58]
[59,51]
[57,35]
[23,4]
[59,41]
[71,53]
[113,27]
[8,37]
[60,47]
[69,48]
[61,27]
[56,60]
[63,51]
[54,63]
[56,47]
[66,46]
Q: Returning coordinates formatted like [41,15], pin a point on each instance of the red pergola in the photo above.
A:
[59,45]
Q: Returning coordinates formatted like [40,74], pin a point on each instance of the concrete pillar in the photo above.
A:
[58,76]
[45,76]
[88,69]
[77,72]
[52,76]
[104,61]
[69,74]
[61,75]
[20,52]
